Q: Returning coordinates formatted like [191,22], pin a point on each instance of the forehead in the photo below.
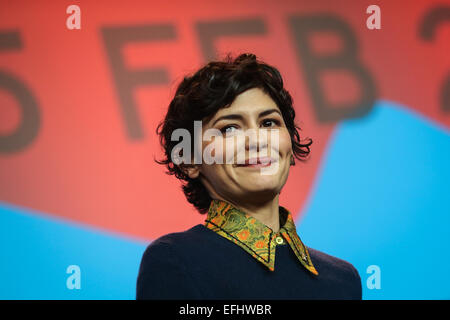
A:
[248,103]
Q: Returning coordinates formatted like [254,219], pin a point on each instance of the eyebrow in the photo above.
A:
[240,117]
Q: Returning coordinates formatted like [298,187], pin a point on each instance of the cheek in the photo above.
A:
[213,151]
[281,142]
[213,158]
[285,142]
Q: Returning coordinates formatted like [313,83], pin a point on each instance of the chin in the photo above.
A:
[262,186]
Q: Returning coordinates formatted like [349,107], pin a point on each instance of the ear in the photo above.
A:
[191,170]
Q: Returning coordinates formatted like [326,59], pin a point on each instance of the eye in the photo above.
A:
[269,121]
[228,129]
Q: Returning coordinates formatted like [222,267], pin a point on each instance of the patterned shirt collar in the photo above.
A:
[255,237]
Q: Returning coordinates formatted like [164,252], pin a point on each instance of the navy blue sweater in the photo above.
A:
[200,264]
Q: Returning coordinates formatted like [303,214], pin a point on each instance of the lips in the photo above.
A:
[258,162]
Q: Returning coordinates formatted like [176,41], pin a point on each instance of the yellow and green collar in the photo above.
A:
[255,237]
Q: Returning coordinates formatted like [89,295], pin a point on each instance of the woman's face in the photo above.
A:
[231,179]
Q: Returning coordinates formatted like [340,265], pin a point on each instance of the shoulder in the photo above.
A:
[163,272]
[177,241]
[337,270]
[330,262]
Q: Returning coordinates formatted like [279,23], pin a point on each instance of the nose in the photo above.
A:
[256,140]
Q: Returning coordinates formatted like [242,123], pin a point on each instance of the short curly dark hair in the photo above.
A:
[213,87]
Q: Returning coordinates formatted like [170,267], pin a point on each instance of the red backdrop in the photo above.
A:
[79,108]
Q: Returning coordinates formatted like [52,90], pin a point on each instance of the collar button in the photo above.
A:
[279,240]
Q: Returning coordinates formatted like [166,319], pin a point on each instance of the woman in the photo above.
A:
[248,247]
